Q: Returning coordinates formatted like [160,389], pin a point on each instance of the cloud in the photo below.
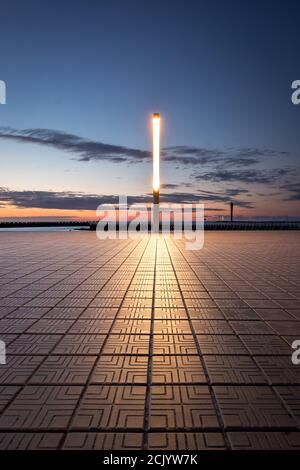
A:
[251,152]
[69,200]
[238,157]
[226,192]
[191,155]
[236,191]
[86,150]
[237,162]
[168,186]
[294,189]
[244,176]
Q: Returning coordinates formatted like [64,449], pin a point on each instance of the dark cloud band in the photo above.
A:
[86,150]
[81,201]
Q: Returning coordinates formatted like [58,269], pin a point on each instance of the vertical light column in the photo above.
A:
[155,182]
[156,143]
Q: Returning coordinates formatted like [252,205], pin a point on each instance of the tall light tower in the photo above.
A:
[231,211]
[155,182]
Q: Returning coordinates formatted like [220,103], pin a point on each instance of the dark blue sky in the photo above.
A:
[219,72]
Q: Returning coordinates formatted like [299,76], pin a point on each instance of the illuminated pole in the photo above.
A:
[231,212]
[155,182]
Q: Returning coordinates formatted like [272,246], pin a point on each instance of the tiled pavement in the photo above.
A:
[131,344]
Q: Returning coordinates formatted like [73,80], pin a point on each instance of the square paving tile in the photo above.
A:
[265,440]
[73,370]
[111,407]
[73,344]
[186,441]
[279,369]
[90,326]
[120,369]
[41,407]
[182,407]
[30,441]
[127,344]
[291,396]
[221,344]
[254,406]
[7,392]
[177,369]
[266,345]
[174,344]
[55,326]
[18,369]
[129,326]
[251,328]
[104,441]
[30,344]
[233,369]
[213,327]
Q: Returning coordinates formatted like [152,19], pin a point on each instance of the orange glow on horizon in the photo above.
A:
[12,212]
[8,211]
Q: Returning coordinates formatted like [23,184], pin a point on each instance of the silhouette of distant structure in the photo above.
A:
[231,211]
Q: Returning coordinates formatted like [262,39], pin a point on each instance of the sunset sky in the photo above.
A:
[83,79]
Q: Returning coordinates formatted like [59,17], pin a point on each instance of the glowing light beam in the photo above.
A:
[156,144]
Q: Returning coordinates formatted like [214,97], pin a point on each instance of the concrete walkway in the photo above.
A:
[129,344]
